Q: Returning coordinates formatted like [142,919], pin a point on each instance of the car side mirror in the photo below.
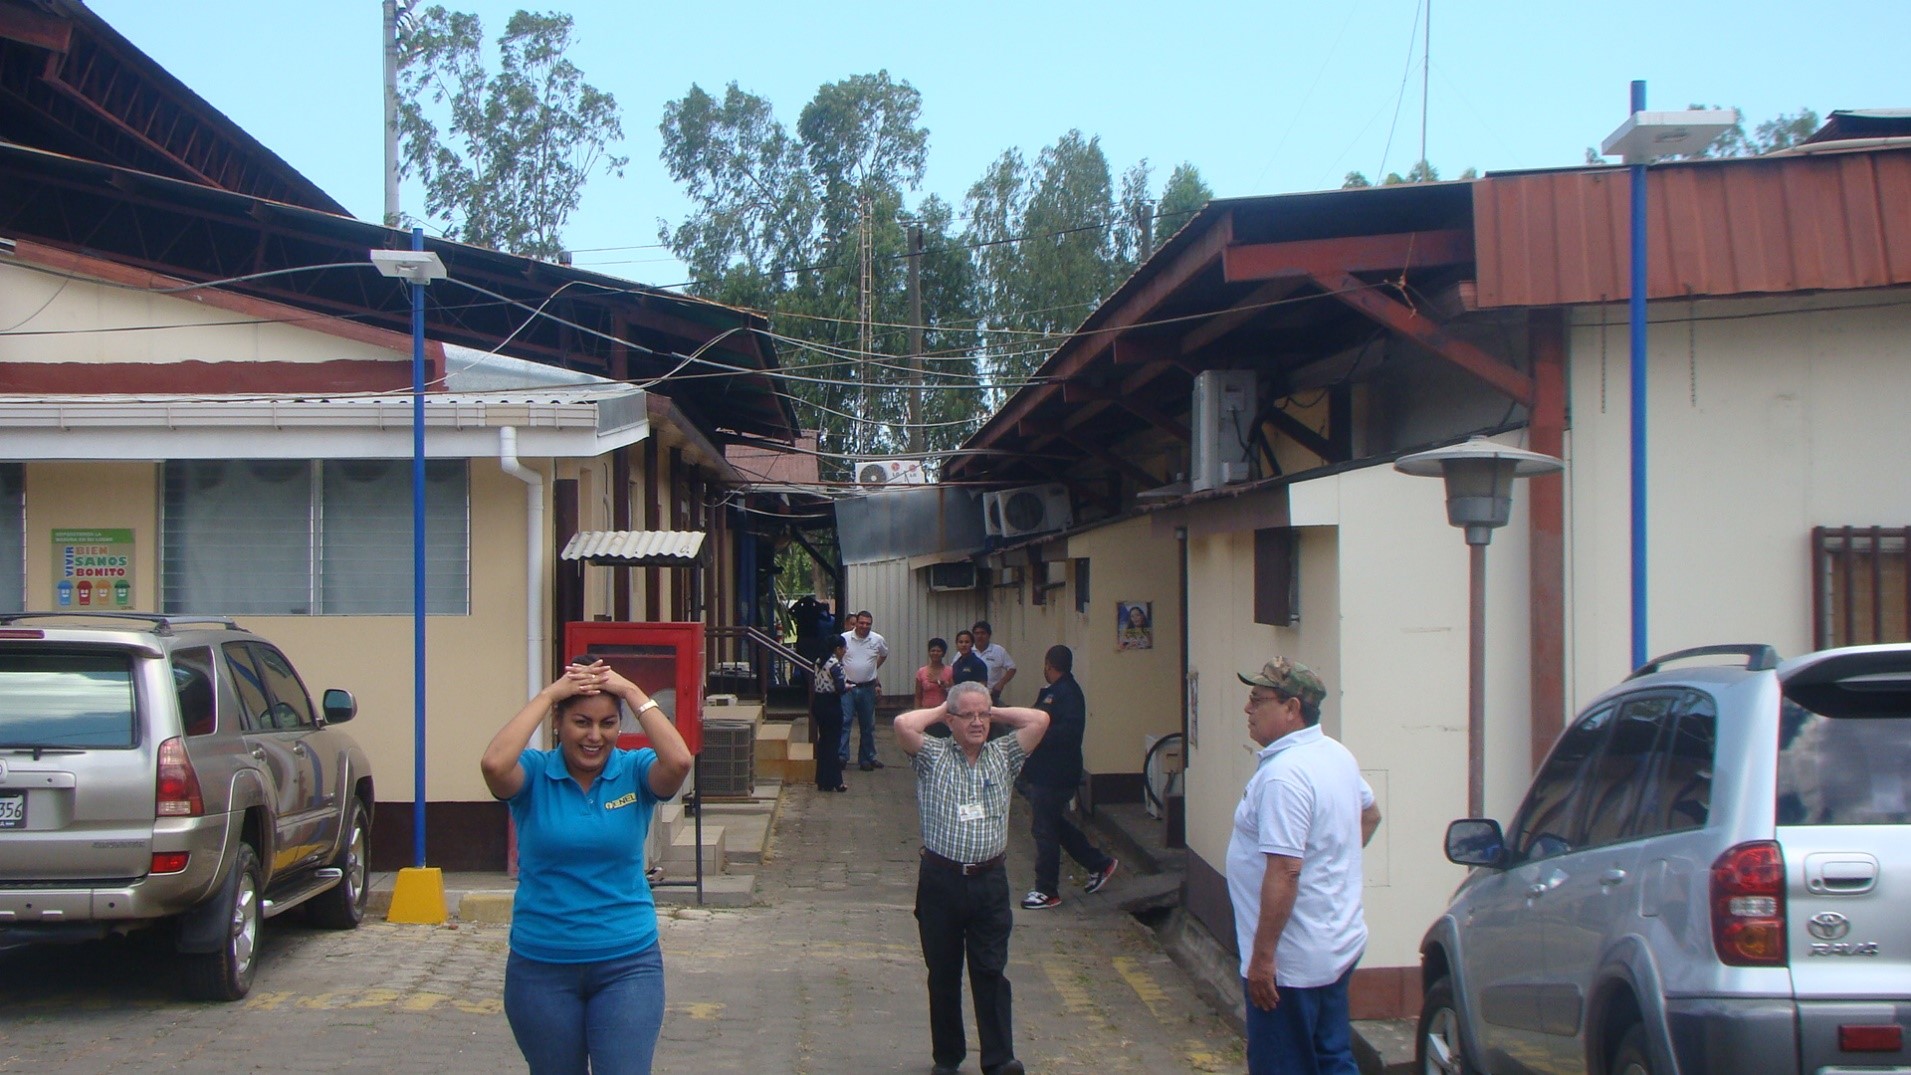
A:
[1476,842]
[339,706]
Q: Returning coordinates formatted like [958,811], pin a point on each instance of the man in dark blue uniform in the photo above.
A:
[1052,774]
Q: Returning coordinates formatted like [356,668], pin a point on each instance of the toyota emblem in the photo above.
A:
[1828,925]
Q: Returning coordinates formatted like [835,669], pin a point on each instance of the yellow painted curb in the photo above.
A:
[492,908]
[418,897]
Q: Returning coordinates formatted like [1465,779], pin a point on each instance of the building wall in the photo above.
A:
[907,614]
[1766,418]
[1131,693]
[54,306]
[1383,618]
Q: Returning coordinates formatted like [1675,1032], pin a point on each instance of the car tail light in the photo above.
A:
[170,861]
[1748,905]
[177,794]
[1871,1039]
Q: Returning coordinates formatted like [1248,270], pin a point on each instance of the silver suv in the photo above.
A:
[172,772]
[1710,873]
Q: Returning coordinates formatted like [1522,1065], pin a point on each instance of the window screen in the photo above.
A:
[292,537]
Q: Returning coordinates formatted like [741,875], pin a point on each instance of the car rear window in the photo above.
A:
[72,700]
[1843,770]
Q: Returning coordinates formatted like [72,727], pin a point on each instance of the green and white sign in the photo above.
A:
[93,569]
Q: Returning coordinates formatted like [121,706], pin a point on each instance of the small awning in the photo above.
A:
[636,548]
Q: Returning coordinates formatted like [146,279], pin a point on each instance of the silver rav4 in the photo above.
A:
[1710,873]
[172,771]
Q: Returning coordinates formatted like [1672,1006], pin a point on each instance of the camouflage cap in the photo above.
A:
[1291,678]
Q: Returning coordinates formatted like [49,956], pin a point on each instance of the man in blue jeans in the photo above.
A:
[864,658]
[1294,876]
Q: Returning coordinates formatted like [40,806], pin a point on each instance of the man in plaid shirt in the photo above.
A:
[962,891]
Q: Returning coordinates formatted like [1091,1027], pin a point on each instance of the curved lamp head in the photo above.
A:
[1479,476]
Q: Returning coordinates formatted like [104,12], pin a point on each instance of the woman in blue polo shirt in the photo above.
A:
[585,981]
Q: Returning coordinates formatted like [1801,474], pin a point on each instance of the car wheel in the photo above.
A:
[227,973]
[1437,1048]
[343,905]
[1631,1057]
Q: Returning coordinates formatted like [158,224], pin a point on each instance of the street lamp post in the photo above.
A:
[1479,480]
[420,268]
[1642,139]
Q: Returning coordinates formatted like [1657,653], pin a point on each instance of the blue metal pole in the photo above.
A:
[418,558]
[1637,330]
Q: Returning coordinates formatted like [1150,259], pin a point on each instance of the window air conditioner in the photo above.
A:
[1033,509]
[945,578]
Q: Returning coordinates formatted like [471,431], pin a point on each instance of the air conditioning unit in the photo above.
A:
[1033,509]
[945,578]
[891,472]
[1223,425]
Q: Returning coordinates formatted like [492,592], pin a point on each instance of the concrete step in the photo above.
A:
[772,743]
[721,890]
[682,850]
[797,766]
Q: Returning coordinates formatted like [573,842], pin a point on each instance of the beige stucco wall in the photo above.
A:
[476,664]
[1131,693]
[1764,421]
[50,306]
[1383,618]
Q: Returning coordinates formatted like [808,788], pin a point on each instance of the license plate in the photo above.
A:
[13,809]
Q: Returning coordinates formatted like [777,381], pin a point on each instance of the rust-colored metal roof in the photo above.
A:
[1738,226]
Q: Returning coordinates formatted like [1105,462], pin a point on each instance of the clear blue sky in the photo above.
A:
[1264,97]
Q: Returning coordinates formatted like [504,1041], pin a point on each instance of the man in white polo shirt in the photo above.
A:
[1294,875]
[867,652]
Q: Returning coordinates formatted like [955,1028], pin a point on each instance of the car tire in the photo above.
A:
[226,974]
[343,905]
[1632,1057]
[1437,1045]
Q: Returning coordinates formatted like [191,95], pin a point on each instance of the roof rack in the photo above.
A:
[1758,657]
[163,623]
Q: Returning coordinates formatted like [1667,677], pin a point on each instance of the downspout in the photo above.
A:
[533,560]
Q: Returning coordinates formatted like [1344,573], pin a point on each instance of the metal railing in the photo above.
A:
[752,653]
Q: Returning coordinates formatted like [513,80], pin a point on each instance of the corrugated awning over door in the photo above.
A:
[636,548]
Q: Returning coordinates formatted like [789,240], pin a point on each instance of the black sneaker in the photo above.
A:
[874,764]
[1100,877]
[867,766]
[1037,900]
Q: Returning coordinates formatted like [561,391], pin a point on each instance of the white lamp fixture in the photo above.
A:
[1647,136]
[1479,476]
[417,266]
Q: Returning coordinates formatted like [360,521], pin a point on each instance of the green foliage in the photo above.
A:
[510,167]
[1182,196]
[813,229]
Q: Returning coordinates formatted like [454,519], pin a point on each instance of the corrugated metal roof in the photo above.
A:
[635,548]
[1724,227]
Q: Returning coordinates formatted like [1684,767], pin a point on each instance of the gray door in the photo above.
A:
[279,752]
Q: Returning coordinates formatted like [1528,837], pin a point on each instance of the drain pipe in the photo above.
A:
[533,560]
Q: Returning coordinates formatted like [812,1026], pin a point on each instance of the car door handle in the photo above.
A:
[258,753]
[1553,881]
[299,749]
[1612,877]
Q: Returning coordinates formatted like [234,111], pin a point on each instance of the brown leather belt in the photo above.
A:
[966,869]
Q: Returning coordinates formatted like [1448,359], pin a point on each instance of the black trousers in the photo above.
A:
[827,711]
[970,916]
[1053,834]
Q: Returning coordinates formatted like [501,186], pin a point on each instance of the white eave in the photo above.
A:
[551,423]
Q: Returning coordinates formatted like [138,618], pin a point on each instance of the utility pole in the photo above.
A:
[915,340]
[865,331]
[1426,55]
[391,113]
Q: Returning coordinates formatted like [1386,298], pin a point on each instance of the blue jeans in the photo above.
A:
[1307,1033]
[859,709]
[607,1013]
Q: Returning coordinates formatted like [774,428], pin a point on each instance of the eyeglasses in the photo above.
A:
[970,717]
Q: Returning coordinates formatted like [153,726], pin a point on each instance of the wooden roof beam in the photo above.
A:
[1300,433]
[1405,321]
[1246,262]
[1077,392]
[1111,460]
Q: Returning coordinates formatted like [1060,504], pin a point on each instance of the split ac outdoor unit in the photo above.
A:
[1033,509]
[945,578]
[891,472]
[1223,423]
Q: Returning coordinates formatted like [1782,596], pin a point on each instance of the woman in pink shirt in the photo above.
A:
[933,679]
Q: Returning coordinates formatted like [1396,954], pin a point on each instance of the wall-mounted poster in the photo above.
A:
[93,569]
[1135,625]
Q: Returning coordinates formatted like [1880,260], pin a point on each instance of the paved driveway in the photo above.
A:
[823,975]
